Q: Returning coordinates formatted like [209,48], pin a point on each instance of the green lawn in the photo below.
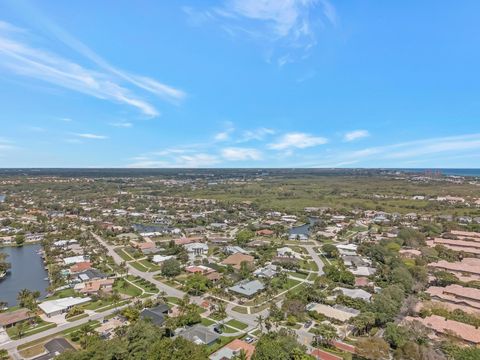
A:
[139,266]
[126,288]
[125,256]
[237,324]
[240,309]
[78,317]
[151,266]
[38,327]
[221,342]
[290,283]
[207,322]
[94,305]
[63,294]
[299,275]
[174,300]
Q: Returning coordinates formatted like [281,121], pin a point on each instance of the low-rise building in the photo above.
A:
[60,306]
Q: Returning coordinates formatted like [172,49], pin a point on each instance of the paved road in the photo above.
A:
[170,291]
[315,257]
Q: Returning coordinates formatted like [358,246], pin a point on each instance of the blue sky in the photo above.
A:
[239,83]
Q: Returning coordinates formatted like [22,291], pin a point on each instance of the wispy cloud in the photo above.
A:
[256,134]
[356,134]
[241,154]
[91,136]
[290,24]
[297,140]
[404,153]
[182,161]
[122,124]
[19,56]
[225,135]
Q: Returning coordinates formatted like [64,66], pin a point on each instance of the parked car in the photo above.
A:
[308,324]
[218,329]
[249,339]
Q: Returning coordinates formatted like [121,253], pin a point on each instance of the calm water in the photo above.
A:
[303,229]
[27,272]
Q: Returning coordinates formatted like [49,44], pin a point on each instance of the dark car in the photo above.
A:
[308,324]
[218,329]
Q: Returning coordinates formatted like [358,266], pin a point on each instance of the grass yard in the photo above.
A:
[240,309]
[30,330]
[299,275]
[173,300]
[139,266]
[207,322]
[237,324]
[78,317]
[125,256]
[149,265]
[221,342]
[62,294]
[126,288]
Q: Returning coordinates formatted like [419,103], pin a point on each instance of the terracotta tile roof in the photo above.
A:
[12,317]
[237,345]
[456,294]
[468,234]
[323,355]
[81,266]
[443,326]
[467,265]
[236,259]
[344,347]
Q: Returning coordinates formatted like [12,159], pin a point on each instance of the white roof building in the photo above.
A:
[59,306]
[161,258]
[74,259]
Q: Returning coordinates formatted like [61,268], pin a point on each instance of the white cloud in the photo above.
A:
[288,24]
[356,134]
[225,135]
[183,161]
[91,136]
[297,140]
[65,119]
[256,134]
[241,154]
[222,136]
[122,124]
[20,57]
[401,154]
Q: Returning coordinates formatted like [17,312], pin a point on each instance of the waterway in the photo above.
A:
[305,228]
[27,272]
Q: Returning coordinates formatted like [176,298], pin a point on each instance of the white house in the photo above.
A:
[157,259]
[60,306]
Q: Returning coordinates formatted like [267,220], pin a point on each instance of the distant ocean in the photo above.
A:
[453,172]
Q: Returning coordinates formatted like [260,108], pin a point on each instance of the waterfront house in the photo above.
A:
[59,306]
[11,318]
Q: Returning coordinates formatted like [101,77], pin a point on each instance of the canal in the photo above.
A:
[26,272]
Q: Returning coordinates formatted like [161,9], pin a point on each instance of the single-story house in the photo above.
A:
[11,318]
[353,293]
[247,288]
[233,349]
[157,259]
[74,259]
[337,312]
[267,271]
[156,314]
[54,348]
[60,306]
[200,335]
[237,259]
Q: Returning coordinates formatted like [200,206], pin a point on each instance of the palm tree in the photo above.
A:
[23,297]
[85,331]
[242,355]
[260,320]
[20,329]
